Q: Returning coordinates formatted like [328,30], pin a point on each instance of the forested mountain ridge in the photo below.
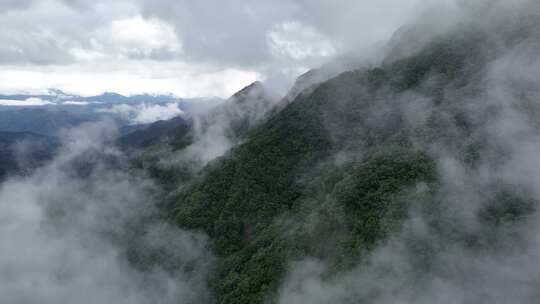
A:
[338,170]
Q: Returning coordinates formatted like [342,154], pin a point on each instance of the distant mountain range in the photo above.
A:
[30,124]
[55,96]
[46,114]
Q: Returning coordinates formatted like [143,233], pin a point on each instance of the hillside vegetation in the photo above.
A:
[336,172]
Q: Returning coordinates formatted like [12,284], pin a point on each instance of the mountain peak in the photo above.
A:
[53,91]
[255,86]
[256,90]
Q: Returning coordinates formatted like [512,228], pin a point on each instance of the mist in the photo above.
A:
[451,248]
[86,229]
[217,128]
[145,113]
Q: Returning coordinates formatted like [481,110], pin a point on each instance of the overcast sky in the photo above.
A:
[186,47]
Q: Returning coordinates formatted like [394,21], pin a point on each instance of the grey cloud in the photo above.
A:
[228,32]
[16,4]
[235,32]
[47,31]
[275,40]
[33,49]
[42,33]
[225,33]
[281,39]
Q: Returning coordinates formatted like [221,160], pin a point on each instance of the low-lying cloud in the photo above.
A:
[80,231]
[29,102]
[145,113]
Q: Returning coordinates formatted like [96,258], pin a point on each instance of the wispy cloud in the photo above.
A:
[145,113]
[33,101]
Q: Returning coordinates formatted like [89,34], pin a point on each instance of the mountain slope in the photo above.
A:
[239,200]
[152,134]
[430,137]
[20,152]
[42,121]
[335,172]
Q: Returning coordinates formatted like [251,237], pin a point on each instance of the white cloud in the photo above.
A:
[127,78]
[86,55]
[130,38]
[33,101]
[76,103]
[144,113]
[139,32]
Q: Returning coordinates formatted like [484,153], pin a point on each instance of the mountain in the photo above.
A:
[48,114]
[337,171]
[228,121]
[147,135]
[351,61]
[176,150]
[21,152]
[56,96]
[43,121]
[242,111]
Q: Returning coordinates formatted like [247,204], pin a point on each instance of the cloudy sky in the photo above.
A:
[186,47]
